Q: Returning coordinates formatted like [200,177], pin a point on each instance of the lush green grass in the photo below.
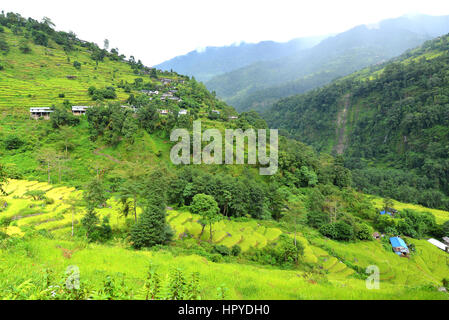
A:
[242,281]
[401,278]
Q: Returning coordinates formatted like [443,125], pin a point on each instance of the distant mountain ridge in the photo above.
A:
[258,85]
[213,61]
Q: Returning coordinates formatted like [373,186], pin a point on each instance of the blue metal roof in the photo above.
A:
[385,212]
[397,242]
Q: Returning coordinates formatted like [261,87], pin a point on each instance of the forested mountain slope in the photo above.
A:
[257,86]
[391,121]
[213,61]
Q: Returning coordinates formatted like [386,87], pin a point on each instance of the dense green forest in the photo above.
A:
[391,120]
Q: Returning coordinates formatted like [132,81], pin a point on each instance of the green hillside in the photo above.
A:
[98,192]
[389,122]
[259,85]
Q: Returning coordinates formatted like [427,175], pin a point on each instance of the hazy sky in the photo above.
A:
[157,30]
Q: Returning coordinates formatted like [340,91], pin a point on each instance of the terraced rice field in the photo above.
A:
[429,262]
[57,217]
[441,216]
[36,79]
[25,212]
[226,232]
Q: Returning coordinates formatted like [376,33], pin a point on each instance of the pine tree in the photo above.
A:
[94,197]
[152,228]
[90,221]
[149,230]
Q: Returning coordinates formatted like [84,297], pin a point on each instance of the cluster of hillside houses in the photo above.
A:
[45,112]
[169,95]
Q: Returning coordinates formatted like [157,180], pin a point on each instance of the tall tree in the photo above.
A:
[133,175]
[67,136]
[74,204]
[94,197]
[48,157]
[293,214]
[3,179]
[207,208]
[151,227]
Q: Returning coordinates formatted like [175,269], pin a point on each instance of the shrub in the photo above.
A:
[391,231]
[236,250]
[363,231]
[24,47]
[3,235]
[4,47]
[329,230]
[61,95]
[216,258]
[317,218]
[223,250]
[445,282]
[5,221]
[13,142]
[344,231]
[62,117]
[77,65]
[35,194]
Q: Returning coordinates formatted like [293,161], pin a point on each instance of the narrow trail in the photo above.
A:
[99,153]
[341,126]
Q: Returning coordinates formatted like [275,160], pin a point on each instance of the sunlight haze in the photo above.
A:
[155,31]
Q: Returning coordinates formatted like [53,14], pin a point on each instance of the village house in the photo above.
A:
[182,112]
[79,110]
[391,212]
[165,81]
[167,94]
[399,246]
[376,235]
[233,117]
[43,112]
[446,240]
[149,92]
[164,112]
[216,111]
[133,108]
[439,244]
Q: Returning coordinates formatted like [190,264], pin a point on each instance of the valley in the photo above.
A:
[93,207]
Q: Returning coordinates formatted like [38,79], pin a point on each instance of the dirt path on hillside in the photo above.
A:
[99,153]
[341,126]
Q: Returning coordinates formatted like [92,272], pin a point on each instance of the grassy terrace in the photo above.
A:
[38,78]
[400,277]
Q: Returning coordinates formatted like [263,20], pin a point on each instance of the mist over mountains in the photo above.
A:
[206,63]
[309,65]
